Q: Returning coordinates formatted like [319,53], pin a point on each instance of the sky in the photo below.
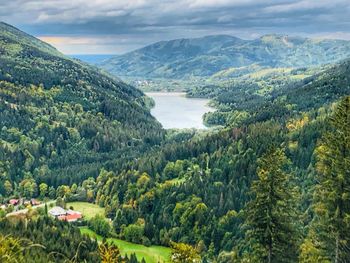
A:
[119,26]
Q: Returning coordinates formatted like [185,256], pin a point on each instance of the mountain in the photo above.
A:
[208,55]
[275,92]
[61,119]
[282,155]
[324,87]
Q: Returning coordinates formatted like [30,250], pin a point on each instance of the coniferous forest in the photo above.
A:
[269,182]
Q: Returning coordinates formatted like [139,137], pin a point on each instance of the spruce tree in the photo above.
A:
[271,232]
[330,230]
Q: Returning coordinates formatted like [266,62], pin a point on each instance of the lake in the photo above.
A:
[174,110]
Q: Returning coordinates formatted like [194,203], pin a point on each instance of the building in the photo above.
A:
[65,215]
[70,217]
[14,201]
[57,211]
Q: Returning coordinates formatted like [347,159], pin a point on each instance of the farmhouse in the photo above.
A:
[71,216]
[57,211]
[14,201]
[65,215]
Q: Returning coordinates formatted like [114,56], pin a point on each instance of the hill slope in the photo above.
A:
[61,119]
[208,55]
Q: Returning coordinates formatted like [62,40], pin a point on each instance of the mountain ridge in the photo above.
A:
[205,56]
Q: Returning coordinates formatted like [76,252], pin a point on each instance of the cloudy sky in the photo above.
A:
[118,26]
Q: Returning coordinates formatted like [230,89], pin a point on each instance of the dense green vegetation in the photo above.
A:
[205,200]
[62,120]
[57,241]
[272,185]
[225,55]
[259,97]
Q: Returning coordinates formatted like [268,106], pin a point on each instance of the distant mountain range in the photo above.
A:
[92,58]
[209,55]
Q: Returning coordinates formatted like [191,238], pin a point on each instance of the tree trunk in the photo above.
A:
[336,260]
[269,255]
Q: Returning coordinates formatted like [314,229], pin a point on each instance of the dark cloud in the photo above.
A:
[106,26]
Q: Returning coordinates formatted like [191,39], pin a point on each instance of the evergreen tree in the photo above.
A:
[133,258]
[271,230]
[331,226]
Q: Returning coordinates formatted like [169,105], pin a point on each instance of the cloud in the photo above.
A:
[145,21]
[307,5]
[93,45]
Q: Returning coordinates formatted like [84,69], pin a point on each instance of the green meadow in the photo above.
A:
[152,254]
[88,210]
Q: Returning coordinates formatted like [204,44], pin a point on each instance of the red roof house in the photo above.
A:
[70,217]
[14,201]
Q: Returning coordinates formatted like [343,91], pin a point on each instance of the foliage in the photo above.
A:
[328,236]
[100,225]
[183,253]
[62,120]
[59,241]
[109,253]
[13,249]
[73,133]
[271,214]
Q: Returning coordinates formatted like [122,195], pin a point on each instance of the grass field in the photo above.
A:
[152,254]
[87,209]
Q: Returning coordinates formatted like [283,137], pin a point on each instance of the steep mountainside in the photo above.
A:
[208,55]
[275,92]
[60,119]
[324,87]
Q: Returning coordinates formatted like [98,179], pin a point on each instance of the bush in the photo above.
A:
[133,233]
[100,225]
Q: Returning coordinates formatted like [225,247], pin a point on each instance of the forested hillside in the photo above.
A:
[62,120]
[271,185]
[210,191]
[275,93]
[224,55]
[213,191]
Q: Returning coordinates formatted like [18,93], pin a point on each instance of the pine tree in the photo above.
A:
[133,258]
[271,231]
[331,225]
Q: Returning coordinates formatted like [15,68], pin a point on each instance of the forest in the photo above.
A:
[272,184]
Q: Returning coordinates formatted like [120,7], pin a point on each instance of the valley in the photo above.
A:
[213,149]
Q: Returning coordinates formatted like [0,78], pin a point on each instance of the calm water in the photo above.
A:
[174,110]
